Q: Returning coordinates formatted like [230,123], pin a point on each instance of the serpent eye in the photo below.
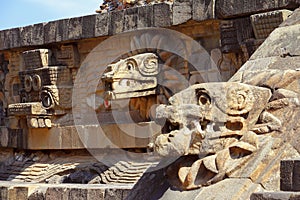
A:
[130,66]
[204,99]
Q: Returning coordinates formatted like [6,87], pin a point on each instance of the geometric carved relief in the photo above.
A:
[264,23]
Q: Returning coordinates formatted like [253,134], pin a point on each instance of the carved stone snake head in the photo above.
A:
[208,117]
[134,76]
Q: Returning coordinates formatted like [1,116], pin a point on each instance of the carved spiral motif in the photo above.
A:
[240,100]
[150,66]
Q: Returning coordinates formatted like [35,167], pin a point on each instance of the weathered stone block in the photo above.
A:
[53,193]
[290,175]
[18,193]
[116,194]
[234,8]
[182,11]
[88,26]
[145,16]
[61,30]
[95,194]
[78,194]
[275,196]
[2,40]
[102,24]
[74,28]
[3,193]
[203,9]
[116,24]
[162,15]
[12,38]
[130,19]
[50,32]
[38,34]
[26,35]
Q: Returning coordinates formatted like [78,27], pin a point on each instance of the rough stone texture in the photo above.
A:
[88,26]
[278,43]
[293,19]
[116,22]
[275,196]
[182,11]
[234,8]
[290,175]
[145,17]
[162,15]
[102,24]
[50,32]
[203,9]
[130,19]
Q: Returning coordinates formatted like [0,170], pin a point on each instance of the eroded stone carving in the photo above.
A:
[225,124]
[45,92]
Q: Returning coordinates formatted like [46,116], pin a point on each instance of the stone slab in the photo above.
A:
[203,10]
[275,196]
[33,191]
[236,8]
[162,15]
[182,11]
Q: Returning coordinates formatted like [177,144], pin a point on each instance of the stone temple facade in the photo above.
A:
[185,99]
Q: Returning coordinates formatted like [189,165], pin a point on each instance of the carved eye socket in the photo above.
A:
[47,100]
[204,99]
[130,64]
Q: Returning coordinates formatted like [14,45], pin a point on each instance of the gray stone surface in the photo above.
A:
[162,14]
[32,191]
[293,19]
[275,196]
[279,43]
[203,9]
[182,11]
[116,22]
[234,8]
[145,17]
[130,19]
[102,24]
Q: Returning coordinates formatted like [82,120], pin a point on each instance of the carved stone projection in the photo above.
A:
[230,126]
[45,92]
[144,79]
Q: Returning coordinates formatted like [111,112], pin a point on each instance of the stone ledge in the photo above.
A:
[157,15]
[32,191]
[90,26]
[275,196]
